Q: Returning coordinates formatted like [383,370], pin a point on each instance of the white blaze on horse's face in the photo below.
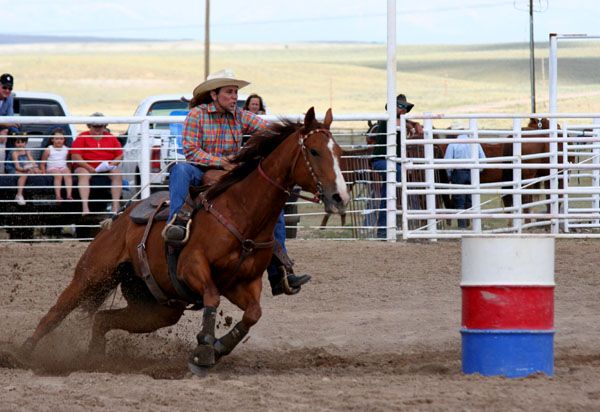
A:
[340,182]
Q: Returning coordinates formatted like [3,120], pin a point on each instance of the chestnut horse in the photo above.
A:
[216,261]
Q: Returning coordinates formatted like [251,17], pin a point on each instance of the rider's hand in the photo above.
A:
[226,164]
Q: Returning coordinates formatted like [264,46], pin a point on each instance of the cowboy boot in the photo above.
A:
[287,282]
[176,231]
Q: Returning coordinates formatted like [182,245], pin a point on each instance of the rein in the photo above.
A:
[316,196]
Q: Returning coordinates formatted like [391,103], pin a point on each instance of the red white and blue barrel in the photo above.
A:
[507,305]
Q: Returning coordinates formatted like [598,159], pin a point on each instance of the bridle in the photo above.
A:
[318,196]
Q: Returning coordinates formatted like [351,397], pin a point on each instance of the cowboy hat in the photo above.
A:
[402,103]
[225,77]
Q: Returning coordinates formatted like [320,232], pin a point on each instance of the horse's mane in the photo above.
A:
[260,145]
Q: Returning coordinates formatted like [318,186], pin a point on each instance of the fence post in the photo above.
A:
[553,174]
[145,160]
[596,169]
[403,175]
[565,178]
[429,177]
[475,198]
[517,183]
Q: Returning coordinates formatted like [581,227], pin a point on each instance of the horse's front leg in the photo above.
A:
[198,277]
[247,298]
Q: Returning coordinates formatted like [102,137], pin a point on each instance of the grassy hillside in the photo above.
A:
[112,78]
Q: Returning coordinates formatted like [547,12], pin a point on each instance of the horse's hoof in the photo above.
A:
[199,371]
[203,356]
[12,360]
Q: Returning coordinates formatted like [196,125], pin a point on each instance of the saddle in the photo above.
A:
[142,211]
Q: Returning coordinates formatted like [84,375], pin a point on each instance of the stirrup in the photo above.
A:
[175,233]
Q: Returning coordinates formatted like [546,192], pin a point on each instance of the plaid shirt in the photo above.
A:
[208,135]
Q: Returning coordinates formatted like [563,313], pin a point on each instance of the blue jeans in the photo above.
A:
[280,238]
[182,176]
[381,165]
[461,201]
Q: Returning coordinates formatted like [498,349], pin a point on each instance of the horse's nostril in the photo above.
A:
[337,198]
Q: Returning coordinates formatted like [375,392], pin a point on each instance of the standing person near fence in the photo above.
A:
[54,161]
[461,151]
[212,135]
[378,136]
[97,151]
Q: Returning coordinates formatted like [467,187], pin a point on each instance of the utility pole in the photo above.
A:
[207,40]
[531,57]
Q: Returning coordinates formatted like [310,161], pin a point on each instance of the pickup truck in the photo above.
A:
[41,208]
[166,147]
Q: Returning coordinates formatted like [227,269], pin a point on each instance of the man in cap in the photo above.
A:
[97,151]
[212,135]
[378,136]
[6,109]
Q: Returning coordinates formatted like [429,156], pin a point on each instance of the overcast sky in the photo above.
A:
[419,22]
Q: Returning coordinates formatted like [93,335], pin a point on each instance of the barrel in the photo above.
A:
[507,287]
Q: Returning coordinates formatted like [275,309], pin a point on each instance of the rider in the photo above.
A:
[212,135]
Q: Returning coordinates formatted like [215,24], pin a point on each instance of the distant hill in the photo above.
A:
[29,39]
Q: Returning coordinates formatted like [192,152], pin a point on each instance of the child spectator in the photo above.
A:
[24,165]
[54,161]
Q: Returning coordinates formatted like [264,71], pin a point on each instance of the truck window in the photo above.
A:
[164,108]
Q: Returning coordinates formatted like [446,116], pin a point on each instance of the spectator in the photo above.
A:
[24,165]
[212,134]
[254,103]
[97,151]
[54,161]
[380,155]
[6,105]
[461,176]
[6,109]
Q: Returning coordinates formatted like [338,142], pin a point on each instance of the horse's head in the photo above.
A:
[318,167]
[538,123]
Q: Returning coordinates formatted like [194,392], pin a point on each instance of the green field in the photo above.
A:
[114,77]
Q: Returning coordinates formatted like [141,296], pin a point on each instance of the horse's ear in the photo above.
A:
[309,118]
[328,118]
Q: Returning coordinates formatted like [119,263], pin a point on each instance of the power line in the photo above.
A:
[283,21]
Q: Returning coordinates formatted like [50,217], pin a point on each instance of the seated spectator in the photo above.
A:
[54,161]
[254,103]
[24,165]
[97,151]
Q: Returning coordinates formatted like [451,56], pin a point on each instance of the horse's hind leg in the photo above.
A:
[76,292]
[143,314]
[135,318]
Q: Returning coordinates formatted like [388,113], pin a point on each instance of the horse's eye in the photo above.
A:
[314,152]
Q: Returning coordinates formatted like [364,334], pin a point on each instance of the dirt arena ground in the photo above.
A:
[376,329]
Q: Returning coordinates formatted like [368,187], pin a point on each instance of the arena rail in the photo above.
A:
[570,166]
[43,219]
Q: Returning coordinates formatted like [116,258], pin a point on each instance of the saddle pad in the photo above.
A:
[142,210]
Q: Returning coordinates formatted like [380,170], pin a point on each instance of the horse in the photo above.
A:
[532,149]
[355,165]
[230,245]
[493,150]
